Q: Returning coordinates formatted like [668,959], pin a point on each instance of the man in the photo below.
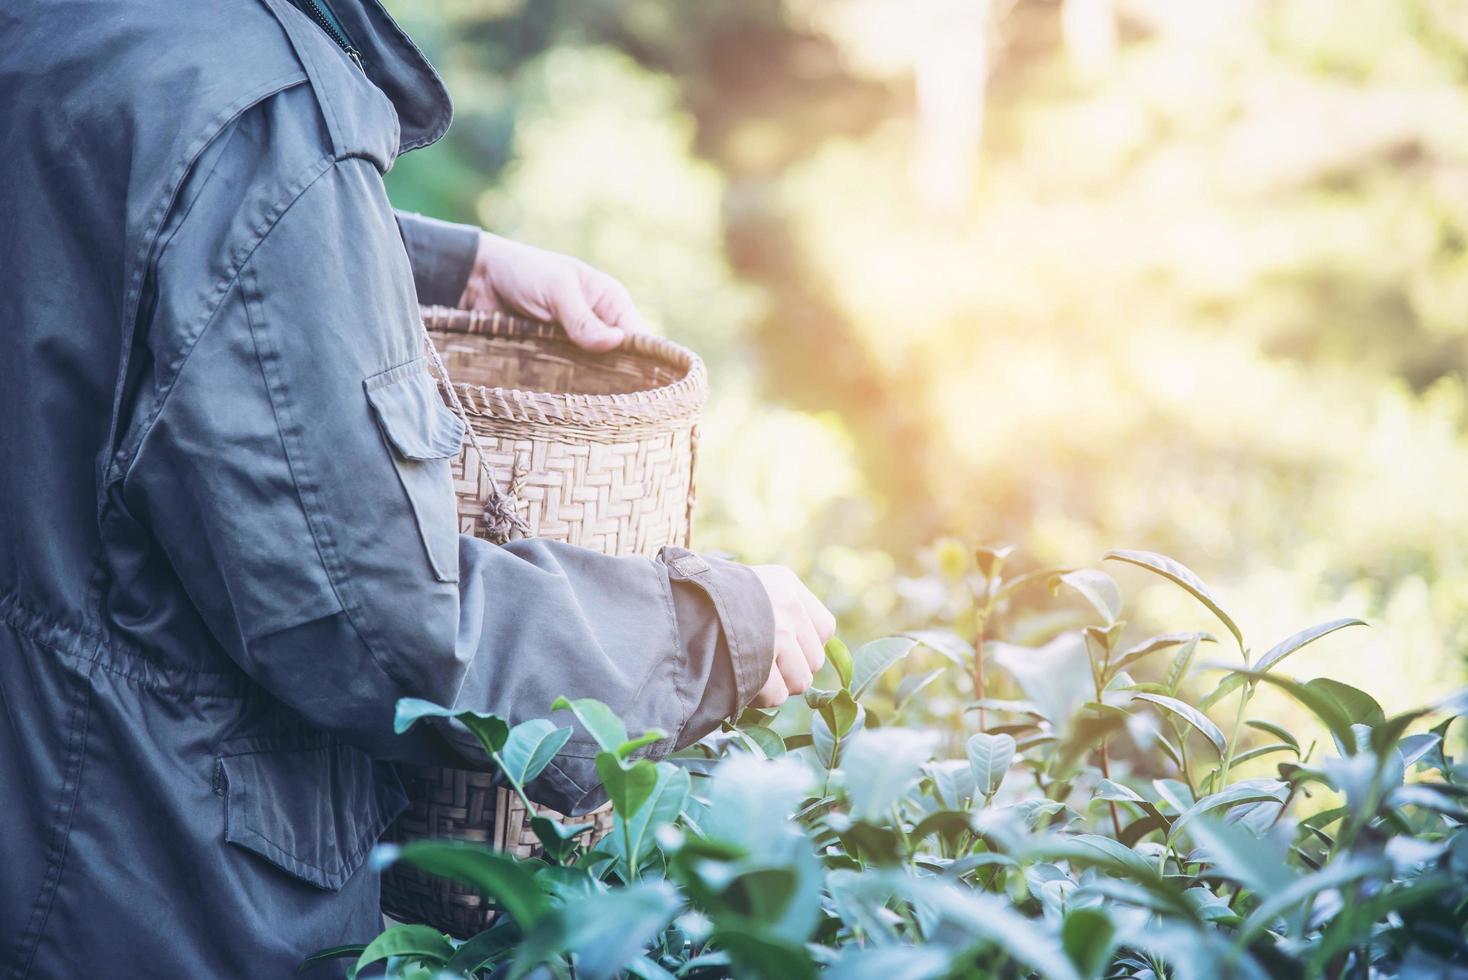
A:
[227,543]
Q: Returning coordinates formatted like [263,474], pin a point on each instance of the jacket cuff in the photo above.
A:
[441,254]
[722,612]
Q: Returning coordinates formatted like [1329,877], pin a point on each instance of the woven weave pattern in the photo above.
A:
[596,450]
[620,498]
[463,804]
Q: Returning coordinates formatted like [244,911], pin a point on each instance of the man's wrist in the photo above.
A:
[441,254]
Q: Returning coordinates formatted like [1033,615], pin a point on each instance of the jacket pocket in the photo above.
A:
[308,804]
[423,435]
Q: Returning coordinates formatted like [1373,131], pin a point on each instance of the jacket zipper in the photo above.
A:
[322,16]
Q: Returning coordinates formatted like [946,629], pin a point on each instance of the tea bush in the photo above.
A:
[1092,821]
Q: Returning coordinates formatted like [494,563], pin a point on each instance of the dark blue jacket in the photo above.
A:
[227,531]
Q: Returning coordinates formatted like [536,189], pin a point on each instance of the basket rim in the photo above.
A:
[678,400]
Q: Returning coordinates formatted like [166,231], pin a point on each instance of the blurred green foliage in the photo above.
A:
[1082,274]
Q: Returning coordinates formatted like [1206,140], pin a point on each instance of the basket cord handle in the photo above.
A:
[502,518]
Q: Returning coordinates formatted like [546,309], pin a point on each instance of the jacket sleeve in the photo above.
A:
[441,254]
[298,480]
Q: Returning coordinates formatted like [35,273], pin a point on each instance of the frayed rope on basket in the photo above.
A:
[502,519]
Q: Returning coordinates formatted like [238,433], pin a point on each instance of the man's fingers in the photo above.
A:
[794,668]
[820,617]
[611,302]
[774,692]
[802,626]
[811,646]
[584,327]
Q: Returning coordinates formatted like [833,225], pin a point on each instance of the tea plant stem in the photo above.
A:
[901,831]
[627,849]
[519,790]
[1182,751]
[1233,739]
[980,620]
[1106,771]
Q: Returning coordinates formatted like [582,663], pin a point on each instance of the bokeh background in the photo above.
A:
[1072,274]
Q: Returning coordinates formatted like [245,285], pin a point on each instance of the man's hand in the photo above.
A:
[592,307]
[802,627]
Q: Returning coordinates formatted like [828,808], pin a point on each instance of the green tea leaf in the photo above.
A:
[1174,793]
[1097,850]
[558,839]
[598,720]
[330,953]
[646,969]
[947,644]
[663,805]
[880,765]
[989,756]
[1229,684]
[841,713]
[629,784]
[911,685]
[1155,644]
[1241,856]
[490,729]
[1260,751]
[603,931]
[1108,789]
[890,963]
[869,662]
[1056,677]
[646,738]
[758,954]
[953,782]
[1306,636]
[422,942]
[1280,733]
[951,825]
[992,919]
[1097,588]
[1088,936]
[1414,747]
[840,658]
[1191,715]
[484,947]
[1320,701]
[1182,662]
[825,742]
[1340,872]
[1359,706]
[496,876]
[1182,576]
[768,740]
[861,901]
[1248,791]
[530,747]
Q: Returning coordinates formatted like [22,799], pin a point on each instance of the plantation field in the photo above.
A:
[1082,816]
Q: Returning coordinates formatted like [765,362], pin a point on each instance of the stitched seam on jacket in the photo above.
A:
[155,223]
[115,454]
[680,662]
[305,488]
[243,253]
[59,835]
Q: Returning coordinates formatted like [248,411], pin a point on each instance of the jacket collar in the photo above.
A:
[394,64]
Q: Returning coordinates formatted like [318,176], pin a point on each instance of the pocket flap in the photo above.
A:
[406,402]
[310,805]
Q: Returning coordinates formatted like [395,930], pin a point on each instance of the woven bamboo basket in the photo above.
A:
[596,450]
